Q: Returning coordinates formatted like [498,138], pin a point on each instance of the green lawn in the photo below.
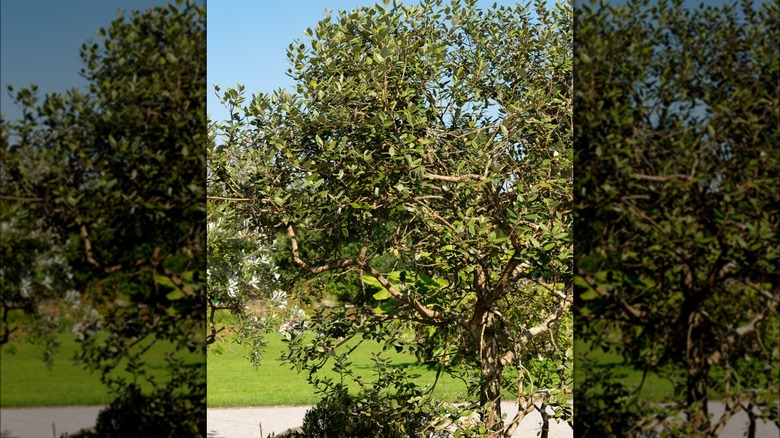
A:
[26,381]
[654,389]
[233,381]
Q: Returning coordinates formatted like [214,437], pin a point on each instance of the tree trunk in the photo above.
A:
[490,382]
[698,411]
[751,432]
[545,421]
[698,372]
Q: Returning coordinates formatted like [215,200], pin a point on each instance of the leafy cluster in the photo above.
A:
[247,291]
[372,412]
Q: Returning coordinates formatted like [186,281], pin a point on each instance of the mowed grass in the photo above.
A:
[654,389]
[233,381]
[657,388]
[25,380]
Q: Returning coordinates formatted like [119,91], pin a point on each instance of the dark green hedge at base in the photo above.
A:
[346,416]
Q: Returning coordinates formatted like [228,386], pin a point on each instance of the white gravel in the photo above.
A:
[246,422]
[46,422]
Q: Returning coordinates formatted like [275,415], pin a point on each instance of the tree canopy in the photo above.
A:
[438,138]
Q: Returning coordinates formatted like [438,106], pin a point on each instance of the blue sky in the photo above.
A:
[248,40]
[40,41]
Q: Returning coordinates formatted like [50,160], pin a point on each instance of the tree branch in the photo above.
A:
[745,329]
[319,269]
[505,278]
[664,178]
[461,178]
[729,411]
[487,298]
[91,259]
[433,214]
[220,198]
[177,282]
[153,261]
[627,308]
[510,428]
[87,245]
[538,329]
[426,313]
[20,198]
[418,307]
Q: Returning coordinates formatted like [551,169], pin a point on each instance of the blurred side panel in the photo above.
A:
[677,202]
[102,207]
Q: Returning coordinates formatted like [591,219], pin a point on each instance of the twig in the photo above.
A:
[20,198]
[664,178]
[631,310]
[460,178]
[220,198]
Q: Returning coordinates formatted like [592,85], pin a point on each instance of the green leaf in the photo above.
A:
[382,295]
[177,294]
[588,295]
[165,281]
[371,281]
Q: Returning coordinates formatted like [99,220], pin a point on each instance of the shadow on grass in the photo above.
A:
[402,365]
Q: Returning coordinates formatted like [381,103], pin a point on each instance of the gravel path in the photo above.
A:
[221,423]
[46,422]
[246,422]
